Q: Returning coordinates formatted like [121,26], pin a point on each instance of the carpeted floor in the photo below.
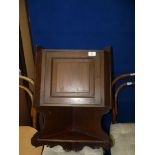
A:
[58,150]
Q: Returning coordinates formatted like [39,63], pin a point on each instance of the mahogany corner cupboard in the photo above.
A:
[73,92]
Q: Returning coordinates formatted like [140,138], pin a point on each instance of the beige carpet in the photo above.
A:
[58,150]
[123,135]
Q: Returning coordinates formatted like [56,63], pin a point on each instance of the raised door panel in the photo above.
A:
[73,77]
[70,78]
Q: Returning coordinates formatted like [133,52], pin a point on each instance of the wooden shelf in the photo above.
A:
[71,136]
[70,140]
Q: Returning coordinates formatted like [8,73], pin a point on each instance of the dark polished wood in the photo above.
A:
[73,91]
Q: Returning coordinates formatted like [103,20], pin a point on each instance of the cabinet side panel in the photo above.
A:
[39,77]
[107,77]
[38,62]
[102,78]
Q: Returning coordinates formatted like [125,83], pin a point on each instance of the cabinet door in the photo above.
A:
[71,78]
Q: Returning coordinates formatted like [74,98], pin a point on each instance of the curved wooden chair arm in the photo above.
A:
[122,76]
[33,110]
[26,79]
[115,106]
[28,91]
